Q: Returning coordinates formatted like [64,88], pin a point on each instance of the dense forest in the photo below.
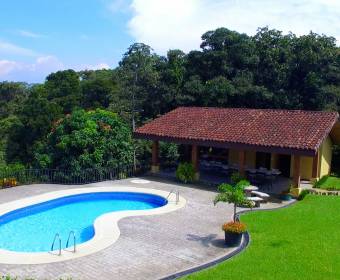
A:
[78,120]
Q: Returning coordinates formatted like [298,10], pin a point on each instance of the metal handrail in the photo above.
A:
[173,191]
[74,241]
[56,237]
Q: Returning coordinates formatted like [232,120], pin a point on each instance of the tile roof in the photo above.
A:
[287,130]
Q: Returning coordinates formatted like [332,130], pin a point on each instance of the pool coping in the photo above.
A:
[106,226]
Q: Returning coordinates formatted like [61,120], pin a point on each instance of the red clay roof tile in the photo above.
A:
[287,129]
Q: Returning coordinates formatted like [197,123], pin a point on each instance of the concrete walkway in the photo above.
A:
[149,247]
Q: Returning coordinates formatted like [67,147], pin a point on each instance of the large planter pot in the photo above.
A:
[232,239]
[285,197]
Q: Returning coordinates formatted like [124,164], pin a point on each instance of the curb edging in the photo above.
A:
[244,244]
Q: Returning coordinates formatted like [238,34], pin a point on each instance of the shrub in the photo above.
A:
[169,153]
[302,194]
[320,182]
[185,172]
[122,175]
[231,194]
[236,177]
[246,204]
[243,183]
[234,227]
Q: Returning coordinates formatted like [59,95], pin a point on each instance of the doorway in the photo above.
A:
[283,164]
[263,160]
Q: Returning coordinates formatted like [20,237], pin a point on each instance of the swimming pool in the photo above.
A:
[32,228]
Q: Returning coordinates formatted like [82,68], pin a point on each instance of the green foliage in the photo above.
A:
[267,70]
[169,153]
[328,183]
[95,139]
[307,231]
[236,177]
[12,168]
[303,194]
[63,88]
[246,204]
[231,194]
[98,93]
[32,125]
[185,172]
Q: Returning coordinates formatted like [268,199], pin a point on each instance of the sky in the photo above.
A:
[38,37]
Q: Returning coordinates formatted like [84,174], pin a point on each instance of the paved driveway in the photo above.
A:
[149,247]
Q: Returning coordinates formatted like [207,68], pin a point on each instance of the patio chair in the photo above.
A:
[269,179]
[260,178]
[262,195]
[252,178]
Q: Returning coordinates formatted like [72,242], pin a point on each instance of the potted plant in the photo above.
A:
[233,232]
[286,195]
[235,195]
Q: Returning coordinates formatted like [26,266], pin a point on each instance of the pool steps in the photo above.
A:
[173,191]
[57,238]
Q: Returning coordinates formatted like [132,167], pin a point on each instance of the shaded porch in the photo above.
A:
[215,178]
[270,172]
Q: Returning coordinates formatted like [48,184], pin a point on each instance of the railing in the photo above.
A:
[68,177]
[71,234]
[174,192]
[56,238]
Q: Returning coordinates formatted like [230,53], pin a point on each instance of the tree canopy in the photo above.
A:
[267,70]
[82,140]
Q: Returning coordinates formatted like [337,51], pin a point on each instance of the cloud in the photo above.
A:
[29,34]
[7,66]
[179,24]
[7,48]
[99,66]
[37,71]
[118,6]
[29,72]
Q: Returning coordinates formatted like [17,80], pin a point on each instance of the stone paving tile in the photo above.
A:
[149,247]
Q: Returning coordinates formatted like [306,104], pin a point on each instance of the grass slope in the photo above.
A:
[298,242]
[329,183]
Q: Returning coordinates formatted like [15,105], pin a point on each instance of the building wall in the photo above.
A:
[273,161]
[325,157]
[233,156]
[306,167]
[250,157]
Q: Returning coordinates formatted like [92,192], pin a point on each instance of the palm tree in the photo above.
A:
[232,194]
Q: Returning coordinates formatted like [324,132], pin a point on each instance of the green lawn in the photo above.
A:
[298,242]
[328,183]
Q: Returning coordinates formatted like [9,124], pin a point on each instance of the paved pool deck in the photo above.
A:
[149,247]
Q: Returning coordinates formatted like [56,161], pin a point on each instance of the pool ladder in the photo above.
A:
[71,234]
[174,192]
[57,238]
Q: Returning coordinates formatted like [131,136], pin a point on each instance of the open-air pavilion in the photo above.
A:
[295,143]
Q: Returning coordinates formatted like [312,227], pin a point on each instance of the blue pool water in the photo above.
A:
[32,229]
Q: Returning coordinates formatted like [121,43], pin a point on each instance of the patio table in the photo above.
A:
[251,170]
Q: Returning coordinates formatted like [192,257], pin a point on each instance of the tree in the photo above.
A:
[140,79]
[12,95]
[63,88]
[232,194]
[98,93]
[95,139]
[31,127]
